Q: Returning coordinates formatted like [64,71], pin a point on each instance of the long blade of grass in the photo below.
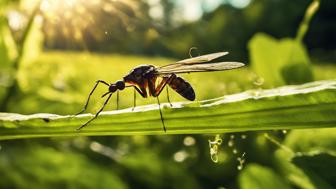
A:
[312,105]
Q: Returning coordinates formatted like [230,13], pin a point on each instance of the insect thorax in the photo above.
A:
[140,73]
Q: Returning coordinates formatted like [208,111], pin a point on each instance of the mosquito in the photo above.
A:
[150,80]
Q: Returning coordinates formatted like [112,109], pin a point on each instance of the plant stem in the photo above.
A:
[311,105]
[303,28]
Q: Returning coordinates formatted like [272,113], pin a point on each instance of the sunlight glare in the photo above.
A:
[16,21]
[156,11]
[240,4]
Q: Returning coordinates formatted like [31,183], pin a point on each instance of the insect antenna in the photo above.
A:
[191,49]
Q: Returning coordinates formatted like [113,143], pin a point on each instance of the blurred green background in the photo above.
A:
[52,52]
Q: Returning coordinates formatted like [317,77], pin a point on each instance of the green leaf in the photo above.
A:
[320,168]
[256,176]
[33,42]
[311,105]
[305,141]
[279,62]
[8,52]
[7,45]
[323,140]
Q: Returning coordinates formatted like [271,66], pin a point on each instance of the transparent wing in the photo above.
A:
[203,58]
[196,60]
[200,67]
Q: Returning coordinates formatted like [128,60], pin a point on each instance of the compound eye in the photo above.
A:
[120,85]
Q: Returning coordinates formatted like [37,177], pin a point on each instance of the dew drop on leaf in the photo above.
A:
[235,151]
[189,141]
[230,143]
[214,148]
[241,161]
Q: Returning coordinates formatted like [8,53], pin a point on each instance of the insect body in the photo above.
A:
[149,80]
[145,77]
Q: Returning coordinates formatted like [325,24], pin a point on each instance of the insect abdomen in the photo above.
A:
[183,88]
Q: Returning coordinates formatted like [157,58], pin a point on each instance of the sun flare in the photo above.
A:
[76,20]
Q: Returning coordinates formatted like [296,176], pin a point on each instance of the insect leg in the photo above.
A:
[96,115]
[134,99]
[168,97]
[141,91]
[163,83]
[118,100]
[164,127]
[94,88]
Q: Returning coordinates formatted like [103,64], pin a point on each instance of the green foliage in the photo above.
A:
[46,166]
[59,82]
[322,140]
[7,54]
[283,61]
[256,176]
[279,62]
[313,154]
[26,49]
[7,45]
[33,43]
[153,172]
[319,167]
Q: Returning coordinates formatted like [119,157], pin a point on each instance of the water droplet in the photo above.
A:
[255,79]
[214,158]
[239,167]
[96,147]
[214,148]
[241,161]
[180,156]
[189,141]
[231,143]
[284,131]
[232,136]
[259,81]
[235,151]
[257,93]
[243,136]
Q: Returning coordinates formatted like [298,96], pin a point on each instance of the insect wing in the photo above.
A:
[202,67]
[203,58]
